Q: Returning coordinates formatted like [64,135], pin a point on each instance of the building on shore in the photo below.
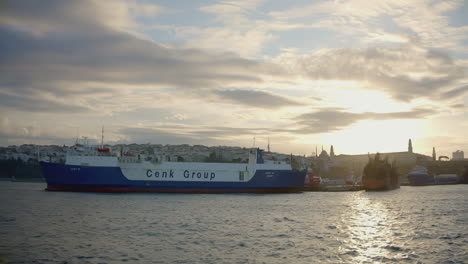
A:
[340,166]
[458,155]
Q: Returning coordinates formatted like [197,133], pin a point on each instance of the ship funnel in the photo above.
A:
[256,156]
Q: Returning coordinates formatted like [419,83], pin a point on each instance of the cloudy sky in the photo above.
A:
[362,75]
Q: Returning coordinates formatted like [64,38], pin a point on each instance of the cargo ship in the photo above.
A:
[419,176]
[100,170]
[380,175]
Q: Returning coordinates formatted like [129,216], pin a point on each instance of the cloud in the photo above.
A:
[73,51]
[329,9]
[407,72]
[355,20]
[87,61]
[333,119]
[241,31]
[317,122]
[257,99]
[59,16]
[12,132]
[174,134]
[236,27]
[59,64]
[244,41]
[458,106]
[384,21]
[429,21]
[153,135]
[234,12]
[39,103]
[384,37]
[457,92]
[5,126]
[107,56]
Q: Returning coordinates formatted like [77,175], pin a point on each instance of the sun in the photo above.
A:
[374,136]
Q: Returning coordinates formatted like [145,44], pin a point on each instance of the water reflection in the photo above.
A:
[367,226]
[409,225]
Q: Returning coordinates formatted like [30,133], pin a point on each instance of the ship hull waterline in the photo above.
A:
[106,189]
[378,185]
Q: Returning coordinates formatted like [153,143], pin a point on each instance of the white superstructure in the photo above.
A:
[149,168]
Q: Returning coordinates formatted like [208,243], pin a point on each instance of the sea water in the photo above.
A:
[408,225]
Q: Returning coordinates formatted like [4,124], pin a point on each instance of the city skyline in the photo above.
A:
[361,76]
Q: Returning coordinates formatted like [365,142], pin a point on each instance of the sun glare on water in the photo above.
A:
[369,231]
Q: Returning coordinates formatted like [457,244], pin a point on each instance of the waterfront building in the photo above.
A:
[458,155]
[405,161]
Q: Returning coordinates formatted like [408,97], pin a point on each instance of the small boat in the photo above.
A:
[312,182]
[311,179]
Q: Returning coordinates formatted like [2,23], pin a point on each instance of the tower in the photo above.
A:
[332,153]
[410,146]
[268,146]
[433,153]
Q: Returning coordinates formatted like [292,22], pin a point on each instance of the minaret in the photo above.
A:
[316,154]
[332,153]
[268,146]
[410,146]
[433,153]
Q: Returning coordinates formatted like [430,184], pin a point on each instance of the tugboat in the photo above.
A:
[380,175]
[312,182]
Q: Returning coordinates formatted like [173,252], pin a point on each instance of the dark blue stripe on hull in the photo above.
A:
[420,180]
[62,177]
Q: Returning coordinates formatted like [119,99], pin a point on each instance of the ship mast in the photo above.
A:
[77,136]
[102,137]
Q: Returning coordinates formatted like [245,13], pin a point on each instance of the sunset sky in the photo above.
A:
[362,75]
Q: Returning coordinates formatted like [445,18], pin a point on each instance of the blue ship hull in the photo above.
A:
[61,177]
[420,179]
